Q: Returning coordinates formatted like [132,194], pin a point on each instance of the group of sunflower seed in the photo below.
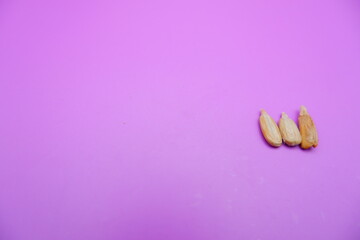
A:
[288,131]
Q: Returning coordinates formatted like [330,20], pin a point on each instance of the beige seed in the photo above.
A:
[270,129]
[307,130]
[289,131]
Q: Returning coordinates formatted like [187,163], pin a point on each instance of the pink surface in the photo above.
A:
[138,120]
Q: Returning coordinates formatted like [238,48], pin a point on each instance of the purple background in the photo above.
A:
[138,120]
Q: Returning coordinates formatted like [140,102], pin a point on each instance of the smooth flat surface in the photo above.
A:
[138,120]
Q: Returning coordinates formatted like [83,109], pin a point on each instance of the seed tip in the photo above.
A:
[303,110]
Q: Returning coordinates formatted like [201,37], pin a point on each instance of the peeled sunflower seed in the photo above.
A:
[270,129]
[289,131]
[307,130]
